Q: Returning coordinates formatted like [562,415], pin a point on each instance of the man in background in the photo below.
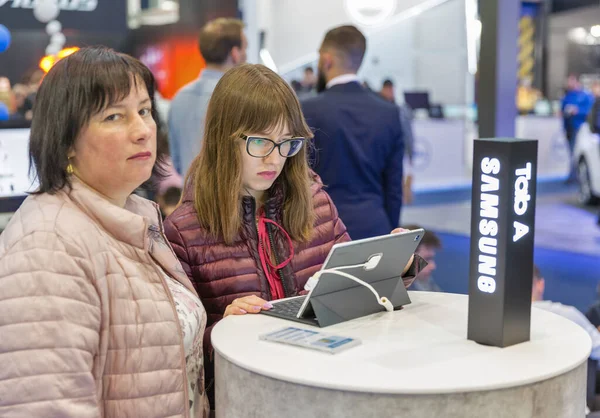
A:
[575,106]
[427,249]
[223,46]
[358,139]
[309,80]
[387,91]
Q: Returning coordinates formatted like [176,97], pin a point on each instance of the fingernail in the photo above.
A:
[243,311]
[256,308]
[268,305]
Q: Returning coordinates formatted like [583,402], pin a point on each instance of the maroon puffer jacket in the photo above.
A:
[221,273]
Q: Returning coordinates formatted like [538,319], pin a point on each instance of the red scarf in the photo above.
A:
[265,251]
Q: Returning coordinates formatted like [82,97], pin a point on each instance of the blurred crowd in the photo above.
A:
[16,102]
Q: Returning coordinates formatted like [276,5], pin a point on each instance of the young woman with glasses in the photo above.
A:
[254,223]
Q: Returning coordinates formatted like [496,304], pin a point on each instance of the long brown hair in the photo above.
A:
[249,98]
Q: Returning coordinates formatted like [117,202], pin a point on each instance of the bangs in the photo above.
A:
[272,105]
[106,83]
[119,88]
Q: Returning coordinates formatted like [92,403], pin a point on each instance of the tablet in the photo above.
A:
[387,255]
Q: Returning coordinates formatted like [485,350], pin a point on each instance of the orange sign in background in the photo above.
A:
[174,62]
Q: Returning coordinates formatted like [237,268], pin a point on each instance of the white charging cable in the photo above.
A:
[383,301]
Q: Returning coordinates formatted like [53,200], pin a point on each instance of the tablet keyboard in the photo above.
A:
[288,309]
[290,306]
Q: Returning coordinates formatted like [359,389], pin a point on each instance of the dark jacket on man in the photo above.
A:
[359,152]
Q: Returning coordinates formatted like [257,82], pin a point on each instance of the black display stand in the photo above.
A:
[502,231]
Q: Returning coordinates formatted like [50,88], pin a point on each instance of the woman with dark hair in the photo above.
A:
[255,222]
[98,318]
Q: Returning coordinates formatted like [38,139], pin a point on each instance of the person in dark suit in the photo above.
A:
[358,139]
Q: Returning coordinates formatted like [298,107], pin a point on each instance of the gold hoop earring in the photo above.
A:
[70,169]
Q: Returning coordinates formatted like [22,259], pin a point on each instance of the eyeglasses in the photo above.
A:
[262,147]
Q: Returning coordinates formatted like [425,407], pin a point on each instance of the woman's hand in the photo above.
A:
[412,257]
[247,304]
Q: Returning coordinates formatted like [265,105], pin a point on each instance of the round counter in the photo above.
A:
[416,362]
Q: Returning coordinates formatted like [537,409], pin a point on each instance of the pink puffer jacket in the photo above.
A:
[88,327]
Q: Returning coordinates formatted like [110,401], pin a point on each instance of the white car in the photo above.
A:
[586,157]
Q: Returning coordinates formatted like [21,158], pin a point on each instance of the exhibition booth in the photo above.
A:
[488,353]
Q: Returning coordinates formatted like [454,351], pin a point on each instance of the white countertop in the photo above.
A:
[421,349]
